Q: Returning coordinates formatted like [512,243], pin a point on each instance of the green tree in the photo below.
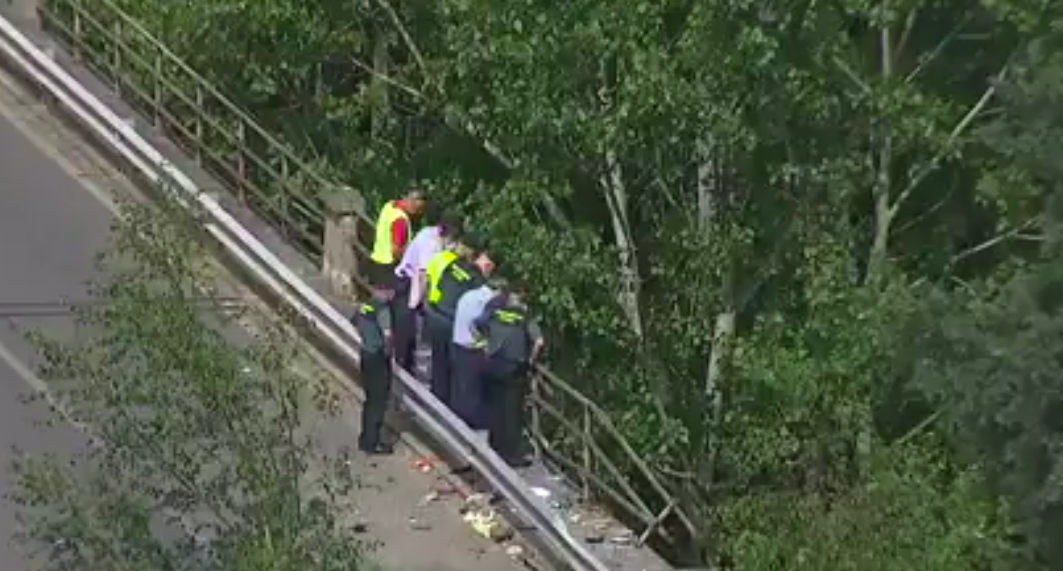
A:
[987,355]
[206,457]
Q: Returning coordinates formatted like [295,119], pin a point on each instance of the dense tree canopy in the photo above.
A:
[807,249]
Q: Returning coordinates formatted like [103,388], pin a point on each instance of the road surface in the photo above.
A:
[53,220]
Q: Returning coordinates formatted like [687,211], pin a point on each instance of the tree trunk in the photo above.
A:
[616,197]
[878,257]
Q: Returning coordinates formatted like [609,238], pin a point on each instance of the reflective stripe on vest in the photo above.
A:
[435,269]
[383,250]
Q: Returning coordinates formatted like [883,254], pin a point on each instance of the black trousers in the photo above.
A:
[405,325]
[508,385]
[467,386]
[440,331]
[376,378]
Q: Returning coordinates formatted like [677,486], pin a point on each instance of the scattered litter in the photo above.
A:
[425,465]
[485,522]
[514,550]
[540,492]
[475,502]
[443,487]
[428,498]
[575,517]
[418,524]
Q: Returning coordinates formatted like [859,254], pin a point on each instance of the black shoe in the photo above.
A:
[379,449]
[519,462]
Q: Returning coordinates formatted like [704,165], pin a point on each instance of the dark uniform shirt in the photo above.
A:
[459,277]
[510,331]
[373,322]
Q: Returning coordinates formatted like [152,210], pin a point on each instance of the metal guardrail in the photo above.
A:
[568,427]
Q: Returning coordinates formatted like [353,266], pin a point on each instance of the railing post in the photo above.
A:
[284,196]
[339,262]
[536,419]
[588,454]
[198,125]
[241,161]
[116,64]
[75,29]
[156,92]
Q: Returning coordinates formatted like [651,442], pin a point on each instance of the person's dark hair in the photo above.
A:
[475,241]
[451,223]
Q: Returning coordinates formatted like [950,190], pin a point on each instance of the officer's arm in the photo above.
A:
[383,319]
[479,325]
[538,342]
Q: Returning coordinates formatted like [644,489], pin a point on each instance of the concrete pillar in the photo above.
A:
[339,261]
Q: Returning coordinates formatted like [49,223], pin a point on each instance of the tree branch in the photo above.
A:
[998,239]
[406,37]
[959,130]
[938,49]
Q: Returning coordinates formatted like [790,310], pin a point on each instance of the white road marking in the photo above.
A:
[39,386]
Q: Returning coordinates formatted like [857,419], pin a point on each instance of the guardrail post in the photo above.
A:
[339,260]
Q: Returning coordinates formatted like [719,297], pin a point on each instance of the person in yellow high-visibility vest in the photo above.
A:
[394,230]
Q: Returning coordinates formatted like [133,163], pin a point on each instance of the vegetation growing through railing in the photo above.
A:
[205,454]
[801,252]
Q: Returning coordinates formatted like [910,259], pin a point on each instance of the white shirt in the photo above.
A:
[470,305]
[425,245]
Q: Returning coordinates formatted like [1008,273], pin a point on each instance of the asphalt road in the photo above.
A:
[49,234]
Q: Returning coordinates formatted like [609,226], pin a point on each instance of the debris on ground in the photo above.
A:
[625,537]
[514,550]
[485,521]
[425,464]
[418,524]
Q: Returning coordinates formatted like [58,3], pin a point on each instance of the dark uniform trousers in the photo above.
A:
[376,377]
[507,385]
[467,386]
[405,325]
[440,330]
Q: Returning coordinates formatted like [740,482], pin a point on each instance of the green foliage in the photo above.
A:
[203,458]
[726,209]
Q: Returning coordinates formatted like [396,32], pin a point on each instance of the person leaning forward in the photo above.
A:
[393,232]
[412,280]
[467,356]
[514,342]
[466,270]
[373,322]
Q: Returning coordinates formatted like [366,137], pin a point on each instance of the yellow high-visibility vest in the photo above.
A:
[383,251]
[434,270]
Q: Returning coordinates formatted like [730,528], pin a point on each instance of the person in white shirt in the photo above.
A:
[412,281]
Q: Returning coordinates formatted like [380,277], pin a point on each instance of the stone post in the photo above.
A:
[339,261]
